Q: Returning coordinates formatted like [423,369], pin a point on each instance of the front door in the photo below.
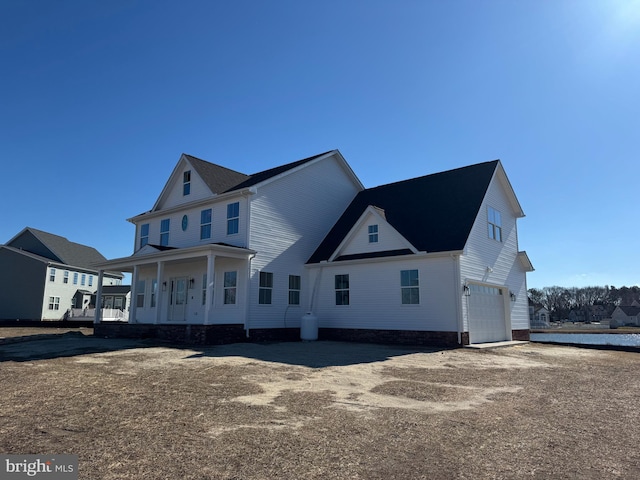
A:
[178,299]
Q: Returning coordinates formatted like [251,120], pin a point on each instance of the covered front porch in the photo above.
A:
[201,285]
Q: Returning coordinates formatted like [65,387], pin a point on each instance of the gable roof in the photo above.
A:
[56,248]
[629,310]
[435,213]
[219,179]
[259,177]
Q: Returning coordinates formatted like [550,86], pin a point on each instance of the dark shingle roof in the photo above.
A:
[56,248]
[218,179]
[434,213]
[272,172]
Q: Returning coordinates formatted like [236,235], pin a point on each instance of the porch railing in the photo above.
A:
[107,314]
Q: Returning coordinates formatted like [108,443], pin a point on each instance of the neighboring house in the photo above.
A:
[628,315]
[538,315]
[588,314]
[222,255]
[43,276]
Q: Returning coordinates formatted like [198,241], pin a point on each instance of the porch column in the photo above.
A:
[159,293]
[211,264]
[134,295]
[98,314]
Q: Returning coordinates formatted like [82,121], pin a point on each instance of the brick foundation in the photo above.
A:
[235,333]
[392,337]
[522,335]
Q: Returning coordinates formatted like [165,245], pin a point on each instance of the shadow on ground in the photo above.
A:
[47,346]
[318,354]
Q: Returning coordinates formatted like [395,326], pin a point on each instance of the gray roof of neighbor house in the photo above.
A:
[630,311]
[434,213]
[56,248]
[222,180]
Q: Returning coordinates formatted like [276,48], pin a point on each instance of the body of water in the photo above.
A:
[621,340]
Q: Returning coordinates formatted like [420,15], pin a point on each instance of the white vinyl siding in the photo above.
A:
[285,235]
[376,298]
[494,263]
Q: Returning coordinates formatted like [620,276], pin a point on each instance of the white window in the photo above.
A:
[205,224]
[83,278]
[373,233]
[91,280]
[140,294]
[52,275]
[144,234]
[154,292]
[230,283]
[342,289]
[233,218]
[266,288]
[494,224]
[294,290]
[65,279]
[54,303]
[164,232]
[410,287]
[75,278]
[186,183]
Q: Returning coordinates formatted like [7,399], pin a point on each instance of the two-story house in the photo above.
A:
[224,256]
[44,276]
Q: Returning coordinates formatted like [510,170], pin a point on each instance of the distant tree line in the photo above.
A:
[560,300]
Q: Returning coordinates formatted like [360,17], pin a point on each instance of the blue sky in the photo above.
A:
[99,99]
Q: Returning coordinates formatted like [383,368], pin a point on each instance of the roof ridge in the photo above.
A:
[445,172]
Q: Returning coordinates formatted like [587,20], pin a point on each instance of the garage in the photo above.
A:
[487,320]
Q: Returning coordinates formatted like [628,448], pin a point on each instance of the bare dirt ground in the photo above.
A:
[322,410]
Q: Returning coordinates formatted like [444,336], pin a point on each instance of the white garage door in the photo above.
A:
[486,314]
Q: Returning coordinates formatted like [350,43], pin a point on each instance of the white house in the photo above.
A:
[625,315]
[44,276]
[224,256]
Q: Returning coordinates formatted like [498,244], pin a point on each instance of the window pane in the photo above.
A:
[294,282]
[266,279]
[230,279]
[205,216]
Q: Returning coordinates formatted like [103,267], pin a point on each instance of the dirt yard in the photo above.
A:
[322,410]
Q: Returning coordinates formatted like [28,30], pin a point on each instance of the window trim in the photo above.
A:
[265,289]
[204,224]
[233,218]
[186,183]
[52,274]
[230,288]
[494,224]
[144,234]
[342,293]
[294,290]
[54,303]
[408,285]
[165,228]
[373,233]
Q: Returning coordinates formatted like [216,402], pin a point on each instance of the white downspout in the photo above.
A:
[247,295]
